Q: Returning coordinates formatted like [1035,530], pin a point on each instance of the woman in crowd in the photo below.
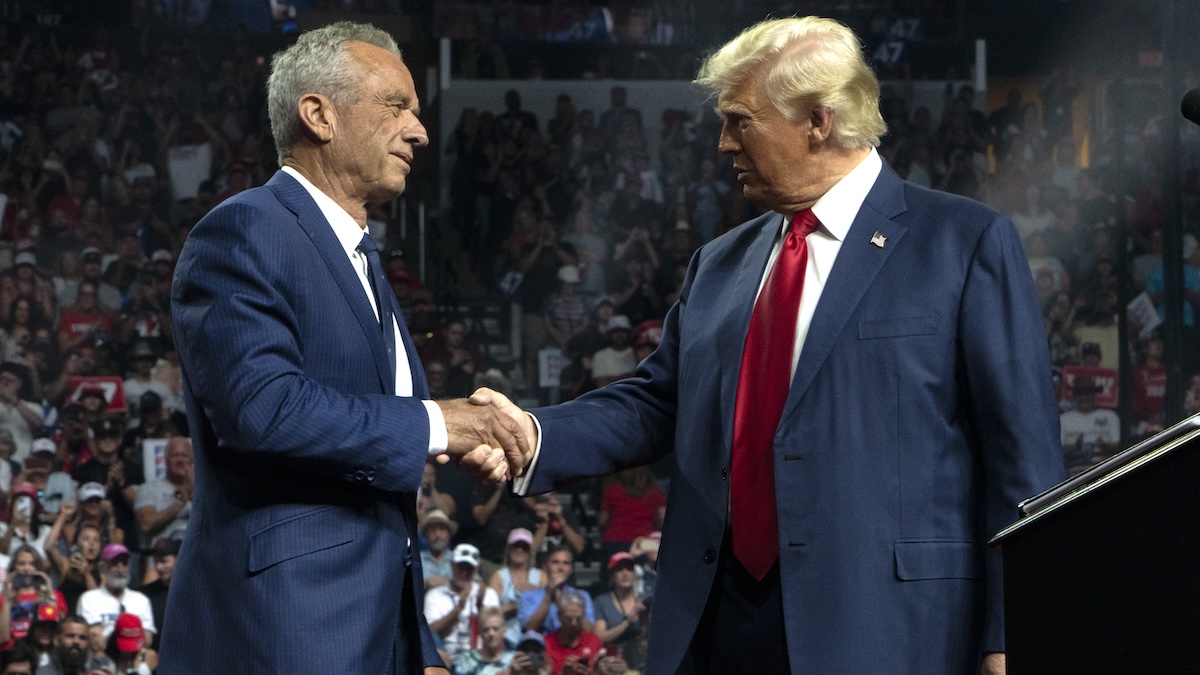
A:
[24,521]
[632,506]
[517,575]
[78,570]
[620,613]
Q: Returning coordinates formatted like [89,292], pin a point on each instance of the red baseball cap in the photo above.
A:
[620,557]
[129,633]
[48,611]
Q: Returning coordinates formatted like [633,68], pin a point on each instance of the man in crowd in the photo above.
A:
[114,597]
[572,648]
[20,417]
[451,608]
[1089,434]
[855,386]
[70,653]
[163,554]
[307,405]
[164,504]
[539,606]
[436,557]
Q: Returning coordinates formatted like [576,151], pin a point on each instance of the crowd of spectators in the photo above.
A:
[110,152]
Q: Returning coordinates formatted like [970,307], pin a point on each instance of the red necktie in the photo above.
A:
[762,390]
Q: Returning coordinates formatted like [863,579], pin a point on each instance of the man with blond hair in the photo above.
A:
[853,388]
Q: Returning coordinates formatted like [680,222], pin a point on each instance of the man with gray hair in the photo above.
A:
[307,404]
[572,649]
[854,389]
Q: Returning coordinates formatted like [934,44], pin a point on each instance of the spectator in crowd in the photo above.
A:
[572,648]
[615,361]
[58,487]
[74,443]
[539,606]
[436,557]
[1089,433]
[163,554]
[114,597]
[1149,388]
[515,121]
[632,506]
[495,514]
[20,416]
[127,645]
[70,653]
[529,656]
[24,526]
[619,110]
[517,575]
[620,613]
[431,497]
[565,315]
[43,631]
[556,526]
[492,656]
[104,466]
[98,661]
[164,505]
[107,300]
[452,609]
[462,358]
[79,570]
[645,551]
[22,660]
[84,322]
[142,358]
[91,509]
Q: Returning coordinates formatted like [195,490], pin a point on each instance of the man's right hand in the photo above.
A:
[482,439]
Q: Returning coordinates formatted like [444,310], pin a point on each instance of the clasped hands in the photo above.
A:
[490,437]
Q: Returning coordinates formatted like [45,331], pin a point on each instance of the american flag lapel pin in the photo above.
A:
[878,239]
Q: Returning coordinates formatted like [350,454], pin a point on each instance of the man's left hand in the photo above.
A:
[436,670]
[993,664]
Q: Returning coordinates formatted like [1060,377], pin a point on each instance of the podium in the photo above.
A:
[1102,572]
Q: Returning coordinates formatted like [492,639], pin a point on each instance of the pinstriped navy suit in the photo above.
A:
[919,415]
[297,557]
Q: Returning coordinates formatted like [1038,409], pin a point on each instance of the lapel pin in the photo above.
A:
[878,239]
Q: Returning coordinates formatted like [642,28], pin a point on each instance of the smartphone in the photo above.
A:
[23,505]
[26,581]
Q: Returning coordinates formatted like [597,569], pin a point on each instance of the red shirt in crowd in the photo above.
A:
[630,517]
[586,648]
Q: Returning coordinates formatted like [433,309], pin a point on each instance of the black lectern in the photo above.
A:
[1102,572]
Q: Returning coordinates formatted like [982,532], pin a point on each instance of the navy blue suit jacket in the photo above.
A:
[920,414]
[297,557]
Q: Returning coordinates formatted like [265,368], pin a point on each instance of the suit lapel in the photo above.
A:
[858,262]
[732,332]
[293,195]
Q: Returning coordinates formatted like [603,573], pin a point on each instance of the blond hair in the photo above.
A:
[812,63]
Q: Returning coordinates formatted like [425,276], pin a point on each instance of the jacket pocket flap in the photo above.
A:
[299,535]
[936,560]
[874,329]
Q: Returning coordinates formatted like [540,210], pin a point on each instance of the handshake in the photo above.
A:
[489,436]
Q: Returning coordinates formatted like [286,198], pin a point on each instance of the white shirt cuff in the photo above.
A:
[520,484]
[439,438]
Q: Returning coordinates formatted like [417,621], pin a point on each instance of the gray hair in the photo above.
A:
[319,63]
[571,598]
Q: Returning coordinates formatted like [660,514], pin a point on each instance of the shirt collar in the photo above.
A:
[837,208]
[347,231]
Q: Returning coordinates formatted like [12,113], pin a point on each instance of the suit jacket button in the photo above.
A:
[724,473]
[370,476]
[710,556]
[360,474]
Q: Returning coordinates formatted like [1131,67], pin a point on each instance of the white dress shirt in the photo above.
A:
[350,233]
[835,210]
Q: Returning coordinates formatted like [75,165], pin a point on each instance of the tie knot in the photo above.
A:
[804,222]
[367,244]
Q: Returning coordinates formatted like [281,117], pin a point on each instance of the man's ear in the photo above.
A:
[821,119]
[317,116]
